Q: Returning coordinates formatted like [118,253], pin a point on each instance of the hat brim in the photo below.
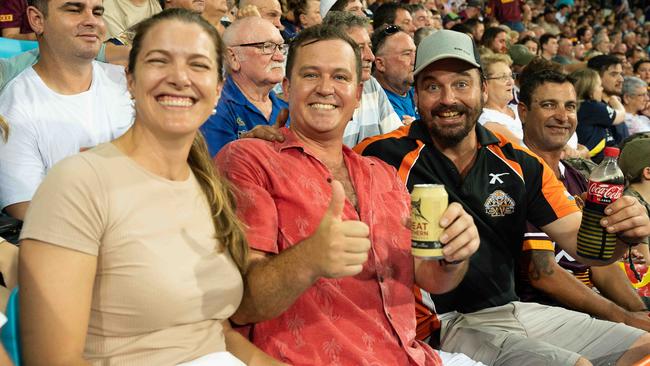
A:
[442,57]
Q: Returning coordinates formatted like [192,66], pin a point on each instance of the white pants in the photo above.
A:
[457,359]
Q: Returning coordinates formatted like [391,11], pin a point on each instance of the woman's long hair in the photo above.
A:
[217,191]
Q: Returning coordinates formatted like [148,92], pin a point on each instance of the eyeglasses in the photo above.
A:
[380,35]
[504,77]
[267,48]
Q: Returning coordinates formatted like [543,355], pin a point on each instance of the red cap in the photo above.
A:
[612,151]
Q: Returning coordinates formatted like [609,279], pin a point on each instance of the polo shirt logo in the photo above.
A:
[499,204]
[496,177]
[6,17]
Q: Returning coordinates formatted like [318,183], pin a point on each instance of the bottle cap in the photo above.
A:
[612,151]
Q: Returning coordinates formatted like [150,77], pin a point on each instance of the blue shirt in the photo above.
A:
[235,116]
[403,105]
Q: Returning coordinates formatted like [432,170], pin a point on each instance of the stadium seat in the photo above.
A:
[10,332]
[12,47]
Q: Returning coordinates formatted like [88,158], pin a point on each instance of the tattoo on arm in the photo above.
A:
[542,263]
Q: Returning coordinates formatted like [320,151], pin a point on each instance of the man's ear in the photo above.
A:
[130,83]
[645,173]
[36,19]
[232,59]
[286,87]
[302,18]
[523,110]
[379,64]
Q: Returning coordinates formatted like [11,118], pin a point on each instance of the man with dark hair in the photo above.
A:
[564,54]
[306,12]
[548,275]
[494,39]
[548,43]
[394,13]
[610,69]
[394,59]
[477,27]
[503,186]
[331,271]
[65,103]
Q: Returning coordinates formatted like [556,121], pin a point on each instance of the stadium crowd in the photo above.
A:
[218,182]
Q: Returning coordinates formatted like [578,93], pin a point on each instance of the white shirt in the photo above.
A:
[637,123]
[45,127]
[512,124]
[375,115]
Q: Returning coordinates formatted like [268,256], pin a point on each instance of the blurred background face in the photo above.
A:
[500,83]
[398,57]
[404,20]
[499,44]
[312,14]
[532,47]
[638,100]
[355,7]
[422,18]
[361,37]
[612,80]
[644,72]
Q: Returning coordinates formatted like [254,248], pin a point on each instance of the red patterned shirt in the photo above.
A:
[368,319]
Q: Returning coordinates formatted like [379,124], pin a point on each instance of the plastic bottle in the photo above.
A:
[606,184]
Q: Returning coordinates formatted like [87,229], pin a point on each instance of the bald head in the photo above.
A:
[250,30]
[269,10]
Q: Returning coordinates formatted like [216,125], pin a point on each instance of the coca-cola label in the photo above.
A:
[604,193]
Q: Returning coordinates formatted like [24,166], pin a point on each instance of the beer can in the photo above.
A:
[428,202]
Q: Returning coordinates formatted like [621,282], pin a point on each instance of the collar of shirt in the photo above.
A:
[231,92]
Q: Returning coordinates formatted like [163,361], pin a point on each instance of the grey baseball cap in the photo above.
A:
[446,44]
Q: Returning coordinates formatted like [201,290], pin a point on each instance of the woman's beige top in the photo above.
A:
[162,288]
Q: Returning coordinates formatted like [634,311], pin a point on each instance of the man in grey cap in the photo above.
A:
[502,186]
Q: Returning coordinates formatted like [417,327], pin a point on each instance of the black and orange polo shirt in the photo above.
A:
[506,186]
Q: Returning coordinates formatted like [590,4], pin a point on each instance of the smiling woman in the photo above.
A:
[141,261]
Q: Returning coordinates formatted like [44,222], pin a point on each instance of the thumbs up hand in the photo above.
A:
[270,133]
[339,248]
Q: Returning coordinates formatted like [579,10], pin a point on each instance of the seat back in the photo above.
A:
[10,333]
[12,47]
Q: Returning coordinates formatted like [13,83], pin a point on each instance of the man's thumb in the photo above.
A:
[281,119]
[338,200]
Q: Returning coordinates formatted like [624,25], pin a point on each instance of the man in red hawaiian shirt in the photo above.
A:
[331,269]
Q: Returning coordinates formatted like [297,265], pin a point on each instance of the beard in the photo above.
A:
[451,136]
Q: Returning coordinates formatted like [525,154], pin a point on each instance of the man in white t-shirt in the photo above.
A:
[63,104]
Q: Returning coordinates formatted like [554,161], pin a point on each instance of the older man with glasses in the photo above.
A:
[255,59]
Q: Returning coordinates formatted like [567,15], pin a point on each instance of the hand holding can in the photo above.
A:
[428,202]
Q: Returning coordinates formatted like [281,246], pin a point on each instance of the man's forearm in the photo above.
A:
[273,284]
[612,282]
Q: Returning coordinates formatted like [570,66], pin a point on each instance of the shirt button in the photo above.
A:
[329,179]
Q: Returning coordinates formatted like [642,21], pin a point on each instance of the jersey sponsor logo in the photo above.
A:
[499,204]
[496,178]
[6,17]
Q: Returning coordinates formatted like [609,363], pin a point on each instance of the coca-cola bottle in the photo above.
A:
[606,184]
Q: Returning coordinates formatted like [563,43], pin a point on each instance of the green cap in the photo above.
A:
[520,54]
[446,44]
[635,157]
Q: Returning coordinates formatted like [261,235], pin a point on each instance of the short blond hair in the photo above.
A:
[489,60]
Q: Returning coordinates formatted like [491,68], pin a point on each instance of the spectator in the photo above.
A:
[81,102]
[196,6]
[13,20]
[421,34]
[585,35]
[374,115]
[255,53]
[642,69]
[306,12]
[437,19]
[472,10]
[635,164]
[564,54]
[353,6]
[548,43]
[394,13]
[114,300]
[549,23]
[520,56]
[394,53]
[531,43]
[494,39]
[610,70]
[214,13]
[477,28]
[635,101]
[267,9]
[595,118]
[562,13]
[635,54]
[497,114]
[422,16]
[602,44]
[481,315]
[549,275]
[508,12]
[314,277]
[121,15]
